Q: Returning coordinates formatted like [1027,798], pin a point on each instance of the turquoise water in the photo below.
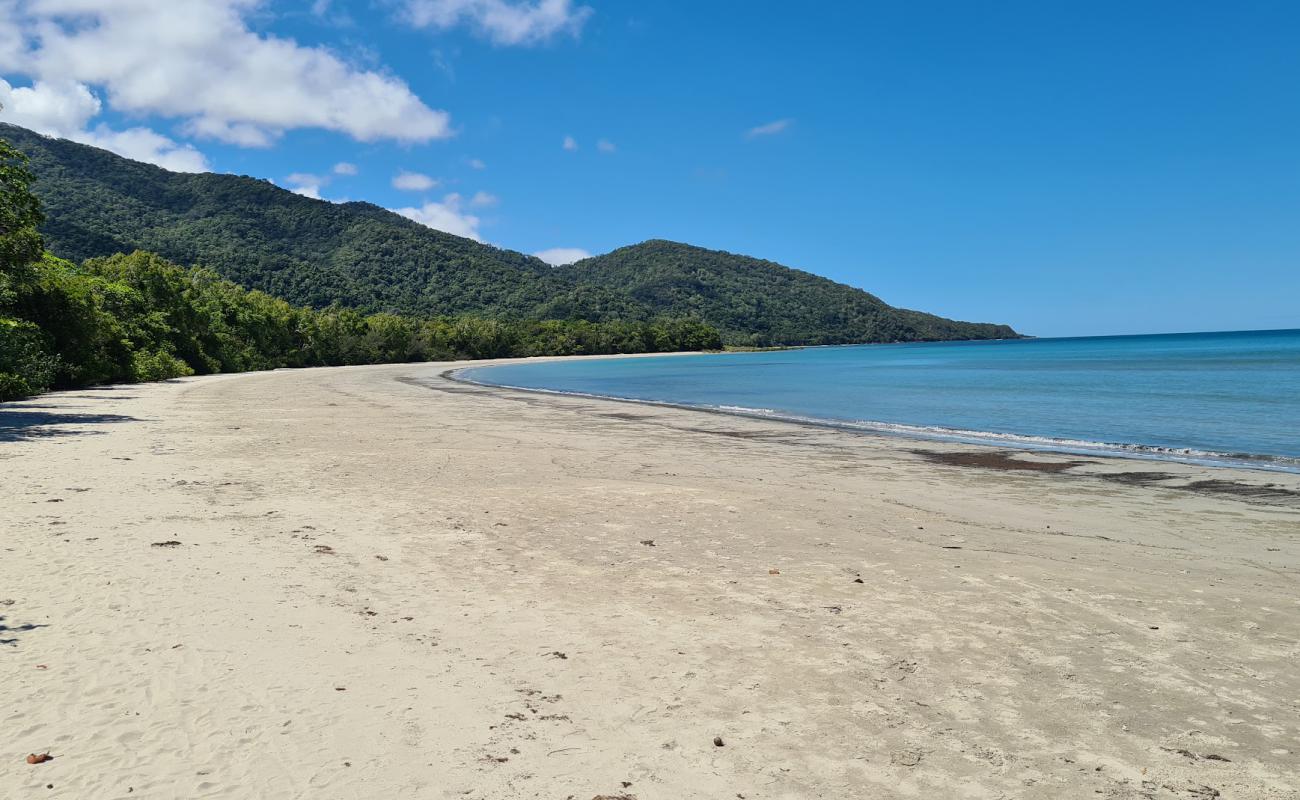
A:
[1204,397]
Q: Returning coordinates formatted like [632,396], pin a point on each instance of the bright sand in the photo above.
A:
[388,585]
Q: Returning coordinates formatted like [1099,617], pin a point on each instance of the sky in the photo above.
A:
[1069,168]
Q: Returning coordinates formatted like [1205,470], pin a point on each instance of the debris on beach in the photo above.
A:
[717,742]
[34,758]
[648,542]
[168,543]
[324,549]
[774,571]
[1197,756]
[558,654]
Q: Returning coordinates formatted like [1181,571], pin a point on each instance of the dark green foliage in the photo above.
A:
[140,318]
[26,365]
[20,214]
[306,251]
[755,302]
[25,361]
[360,256]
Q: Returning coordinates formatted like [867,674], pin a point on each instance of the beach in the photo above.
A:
[381,582]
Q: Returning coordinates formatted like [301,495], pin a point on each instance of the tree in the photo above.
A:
[25,364]
[20,216]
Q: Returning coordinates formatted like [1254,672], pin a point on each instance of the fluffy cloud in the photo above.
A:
[306,184]
[558,256]
[769,128]
[605,146]
[344,168]
[446,216]
[12,45]
[413,182]
[196,61]
[476,163]
[143,144]
[484,199]
[502,21]
[570,144]
[65,109]
[56,109]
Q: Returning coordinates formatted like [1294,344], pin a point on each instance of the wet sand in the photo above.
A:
[376,582]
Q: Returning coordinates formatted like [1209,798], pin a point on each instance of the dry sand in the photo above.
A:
[387,585]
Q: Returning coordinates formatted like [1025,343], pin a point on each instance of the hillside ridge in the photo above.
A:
[360,255]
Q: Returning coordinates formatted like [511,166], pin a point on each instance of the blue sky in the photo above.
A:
[1068,168]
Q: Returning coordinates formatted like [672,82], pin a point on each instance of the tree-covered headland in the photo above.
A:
[357,255]
[138,317]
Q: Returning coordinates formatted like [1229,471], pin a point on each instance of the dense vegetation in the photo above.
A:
[138,317]
[360,256]
[309,252]
[759,302]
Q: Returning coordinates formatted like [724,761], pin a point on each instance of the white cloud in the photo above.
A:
[56,109]
[769,128]
[198,61]
[558,256]
[446,216]
[306,184]
[413,182]
[501,21]
[475,163]
[65,109]
[570,144]
[143,144]
[241,134]
[345,168]
[12,45]
[605,146]
[484,199]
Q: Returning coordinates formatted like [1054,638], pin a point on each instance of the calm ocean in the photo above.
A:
[1200,397]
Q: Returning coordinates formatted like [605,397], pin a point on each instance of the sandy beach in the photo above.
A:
[376,582]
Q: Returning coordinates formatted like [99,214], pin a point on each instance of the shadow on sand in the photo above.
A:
[36,422]
[9,635]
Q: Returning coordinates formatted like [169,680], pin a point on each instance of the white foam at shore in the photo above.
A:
[938,433]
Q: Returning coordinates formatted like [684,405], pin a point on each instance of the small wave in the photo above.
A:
[1183,455]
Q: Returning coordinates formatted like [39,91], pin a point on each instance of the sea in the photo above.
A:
[1230,399]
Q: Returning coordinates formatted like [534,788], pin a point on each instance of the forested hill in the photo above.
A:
[316,253]
[306,251]
[752,301]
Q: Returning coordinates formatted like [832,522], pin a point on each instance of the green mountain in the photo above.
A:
[758,302]
[309,252]
[316,253]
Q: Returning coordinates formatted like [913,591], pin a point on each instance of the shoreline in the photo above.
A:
[935,434]
[1253,484]
[378,581]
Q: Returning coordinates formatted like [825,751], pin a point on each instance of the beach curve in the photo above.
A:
[375,581]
